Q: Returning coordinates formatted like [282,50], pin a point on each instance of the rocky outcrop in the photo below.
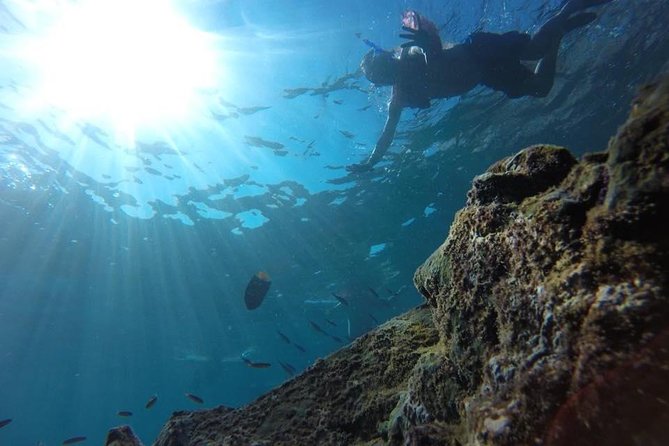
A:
[550,293]
[547,319]
[122,436]
[344,399]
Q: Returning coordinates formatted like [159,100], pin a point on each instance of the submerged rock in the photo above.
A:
[550,310]
[122,436]
[343,399]
[551,301]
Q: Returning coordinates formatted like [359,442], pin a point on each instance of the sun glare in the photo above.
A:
[132,62]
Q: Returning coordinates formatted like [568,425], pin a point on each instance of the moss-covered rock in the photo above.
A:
[542,293]
[344,399]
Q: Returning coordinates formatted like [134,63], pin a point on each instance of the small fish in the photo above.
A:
[300,348]
[255,365]
[74,440]
[256,290]
[289,369]
[373,291]
[338,101]
[283,337]
[317,327]
[358,35]
[194,398]
[259,365]
[153,171]
[331,322]
[340,299]
[337,339]
[366,107]
[394,294]
[371,316]
[149,404]
[346,134]
[251,110]
[124,413]
[4,423]
[256,141]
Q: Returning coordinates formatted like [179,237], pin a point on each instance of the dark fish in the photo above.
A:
[226,103]
[395,293]
[74,440]
[149,404]
[300,348]
[373,291]
[340,299]
[338,101]
[358,35]
[316,327]
[251,110]
[256,290]
[366,107]
[331,322]
[4,423]
[348,135]
[371,316]
[287,368]
[124,413]
[256,141]
[194,398]
[337,339]
[153,171]
[255,365]
[259,365]
[283,337]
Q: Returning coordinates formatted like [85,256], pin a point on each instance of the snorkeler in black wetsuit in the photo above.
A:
[426,70]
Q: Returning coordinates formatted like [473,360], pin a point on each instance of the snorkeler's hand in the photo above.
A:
[358,168]
[417,37]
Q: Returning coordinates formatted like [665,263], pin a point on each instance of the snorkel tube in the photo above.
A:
[374,46]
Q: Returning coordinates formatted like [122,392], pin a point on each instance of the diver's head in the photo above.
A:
[380,67]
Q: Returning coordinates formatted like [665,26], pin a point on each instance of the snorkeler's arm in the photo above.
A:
[386,138]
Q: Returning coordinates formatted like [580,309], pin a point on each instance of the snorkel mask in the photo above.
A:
[379,65]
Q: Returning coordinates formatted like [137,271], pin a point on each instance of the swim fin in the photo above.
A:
[578,21]
[589,3]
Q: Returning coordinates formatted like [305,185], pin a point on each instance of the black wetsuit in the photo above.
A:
[499,59]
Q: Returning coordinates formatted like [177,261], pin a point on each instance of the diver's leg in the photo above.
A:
[564,21]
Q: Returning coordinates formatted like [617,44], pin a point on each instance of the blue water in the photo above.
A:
[123,263]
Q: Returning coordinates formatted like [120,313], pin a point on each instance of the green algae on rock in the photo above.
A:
[345,398]
[544,295]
